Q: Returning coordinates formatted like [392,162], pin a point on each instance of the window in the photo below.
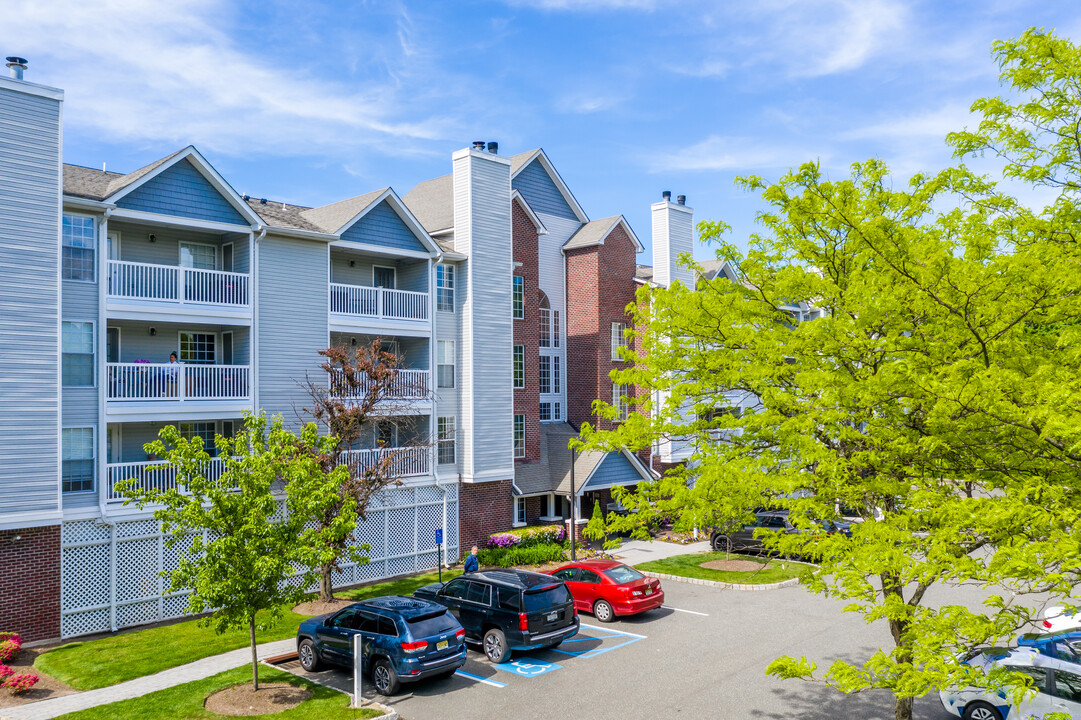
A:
[545,411]
[77,474]
[519,366]
[479,593]
[198,256]
[205,430]
[555,328]
[555,374]
[545,328]
[545,374]
[588,576]
[509,598]
[197,348]
[619,340]
[444,288]
[78,347]
[78,241]
[383,277]
[386,433]
[555,411]
[518,298]
[619,401]
[445,433]
[519,511]
[519,436]
[1067,685]
[456,588]
[566,574]
[444,358]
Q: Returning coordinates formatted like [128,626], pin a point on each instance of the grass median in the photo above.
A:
[109,660]
[690,566]
[185,702]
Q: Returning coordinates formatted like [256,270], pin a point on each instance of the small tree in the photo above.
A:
[596,529]
[363,384]
[240,552]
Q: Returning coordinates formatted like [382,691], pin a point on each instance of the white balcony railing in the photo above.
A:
[152,475]
[408,461]
[181,382]
[407,385]
[175,284]
[378,302]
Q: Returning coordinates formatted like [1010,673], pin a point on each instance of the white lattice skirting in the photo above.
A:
[110,572]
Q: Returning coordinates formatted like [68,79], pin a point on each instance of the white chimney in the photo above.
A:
[673,235]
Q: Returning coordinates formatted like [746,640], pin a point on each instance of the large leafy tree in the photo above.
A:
[937,398]
[245,541]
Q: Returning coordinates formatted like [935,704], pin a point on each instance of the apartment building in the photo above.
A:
[131,301]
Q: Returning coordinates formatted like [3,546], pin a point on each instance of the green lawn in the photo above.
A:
[107,661]
[690,566]
[185,702]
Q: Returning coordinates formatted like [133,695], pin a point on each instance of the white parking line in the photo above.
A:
[612,630]
[478,678]
[692,612]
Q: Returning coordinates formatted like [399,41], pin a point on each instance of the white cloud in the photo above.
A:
[718,152]
[585,102]
[920,126]
[585,5]
[142,70]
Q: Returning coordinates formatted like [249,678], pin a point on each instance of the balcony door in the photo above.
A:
[383,277]
[199,256]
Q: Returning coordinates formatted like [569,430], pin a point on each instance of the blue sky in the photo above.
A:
[312,102]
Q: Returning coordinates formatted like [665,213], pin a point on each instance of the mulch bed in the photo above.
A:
[46,687]
[269,698]
[732,565]
[315,607]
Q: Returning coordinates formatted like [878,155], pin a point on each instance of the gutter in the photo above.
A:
[254,344]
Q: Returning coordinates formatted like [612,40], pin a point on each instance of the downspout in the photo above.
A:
[253,350]
[103,378]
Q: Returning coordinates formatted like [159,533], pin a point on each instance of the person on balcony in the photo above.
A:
[172,374]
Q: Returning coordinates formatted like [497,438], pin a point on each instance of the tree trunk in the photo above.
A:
[254,654]
[902,708]
[326,590]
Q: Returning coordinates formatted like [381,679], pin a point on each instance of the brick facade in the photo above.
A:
[527,330]
[483,509]
[30,582]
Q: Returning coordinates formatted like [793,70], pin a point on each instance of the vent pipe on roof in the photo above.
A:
[666,195]
[493,148]
[681,199]
[478,145]
[17,66]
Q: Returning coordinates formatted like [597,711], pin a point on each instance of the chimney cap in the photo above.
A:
[681,199]
[493,147]
[478,144]
[16,60]
[667,195]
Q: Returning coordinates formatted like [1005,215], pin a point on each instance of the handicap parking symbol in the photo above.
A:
[528,668]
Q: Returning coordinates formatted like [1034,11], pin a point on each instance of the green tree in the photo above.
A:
[595,529]
[245,549]
[937,398]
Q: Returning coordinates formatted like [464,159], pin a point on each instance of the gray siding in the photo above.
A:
[614,469]
[541,193]
[449,327]
[413,350]
[184,192]
[382,226]
[136,342]
[29,300]
[135,245]
[292,317]
[79,302]
[408,274]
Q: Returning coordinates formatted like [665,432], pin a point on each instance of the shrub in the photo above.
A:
[10,647]
[11,636]
[528,537]
[16,684]
[5,671]
[518,555]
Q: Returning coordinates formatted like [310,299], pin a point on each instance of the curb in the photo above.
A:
[721,585]
[388,713]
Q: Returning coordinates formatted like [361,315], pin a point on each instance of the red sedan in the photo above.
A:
[608,588]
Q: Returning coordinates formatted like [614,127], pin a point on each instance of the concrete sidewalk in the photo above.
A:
[198,670]
[633,552]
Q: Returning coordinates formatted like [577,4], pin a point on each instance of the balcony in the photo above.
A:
[407,462]
[170,290]
[359,305]
[410,391]
[151,475]
[186,390]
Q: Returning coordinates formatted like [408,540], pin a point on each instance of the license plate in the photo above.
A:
[552,616]
[441,645]
[649,591]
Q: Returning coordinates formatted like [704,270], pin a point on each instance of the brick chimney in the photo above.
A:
[673,235]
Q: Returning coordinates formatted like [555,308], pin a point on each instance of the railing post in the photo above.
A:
[379,303]
[181,382]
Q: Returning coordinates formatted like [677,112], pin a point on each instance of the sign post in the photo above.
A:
[439,548]
[358,667]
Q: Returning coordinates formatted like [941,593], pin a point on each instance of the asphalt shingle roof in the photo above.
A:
[432,203]
[592,232]
[333,217]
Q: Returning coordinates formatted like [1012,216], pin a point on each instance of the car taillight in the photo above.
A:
[459,633]
[638,593]
[523,622]
[417,646]
[575,609]
[1047,623]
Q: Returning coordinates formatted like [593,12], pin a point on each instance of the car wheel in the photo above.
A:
[384,678]
[720,543]
[981,711]
[309,657]
[495,646]
[603,611]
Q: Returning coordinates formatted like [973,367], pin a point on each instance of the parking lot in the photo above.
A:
[703,655]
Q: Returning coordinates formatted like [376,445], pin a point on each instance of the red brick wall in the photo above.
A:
[535,509]
[526,330]
[30,582]
[483,509]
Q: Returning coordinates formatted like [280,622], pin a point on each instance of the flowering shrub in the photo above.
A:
[10,636]
[528,537]
[10,646]
[507,557]
[5,671]
[16,684]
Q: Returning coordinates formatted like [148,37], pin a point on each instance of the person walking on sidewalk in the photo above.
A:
[472,564]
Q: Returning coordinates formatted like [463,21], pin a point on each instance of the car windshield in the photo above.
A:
[544,599]
[428,625]
[623,574]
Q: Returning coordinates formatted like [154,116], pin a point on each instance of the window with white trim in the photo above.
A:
[519,511]
[555,411]
[519,436]
[444,358]
[197,348]
[77,342]
[78,248]
[198,256]
[555,373]
[444,288]
[518,297]
[545,374]
[545,411]
[445,440]
[77,452]
[544,336]
[555,328]
[519,366]
[619,340]
[619,400]
[204,430]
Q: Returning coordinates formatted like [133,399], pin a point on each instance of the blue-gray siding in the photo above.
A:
[614,469]
[413,351]
[184,192]
[382,226]
[292,317]
[135,245]
[136,342]
[29,301]
[540,192]
[408,274]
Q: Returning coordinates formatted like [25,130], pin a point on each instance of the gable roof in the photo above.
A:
[282,215]
[432,203]
[552,472]
[521,161]
[594,232]
[335,216]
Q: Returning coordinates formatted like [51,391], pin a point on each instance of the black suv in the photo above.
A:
[507,610]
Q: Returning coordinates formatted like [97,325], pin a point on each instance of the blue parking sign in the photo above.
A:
[527,667]
[439,536]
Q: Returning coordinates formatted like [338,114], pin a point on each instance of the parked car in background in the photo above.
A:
[1060,645]
[744,540]
[403,639]
[608,588]
[1056,619]
[1057,684]
[508,610]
